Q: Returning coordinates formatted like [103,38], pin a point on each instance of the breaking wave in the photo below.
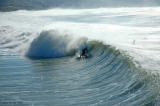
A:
[112,77]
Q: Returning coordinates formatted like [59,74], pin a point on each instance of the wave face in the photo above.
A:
[39,64]
[108,77]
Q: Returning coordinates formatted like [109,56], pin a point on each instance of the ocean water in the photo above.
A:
[39,65]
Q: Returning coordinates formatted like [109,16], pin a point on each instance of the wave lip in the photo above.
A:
[49,44]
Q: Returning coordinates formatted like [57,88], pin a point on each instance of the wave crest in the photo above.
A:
[48,44]
[55,44]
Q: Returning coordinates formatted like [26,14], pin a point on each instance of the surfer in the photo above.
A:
[84,52]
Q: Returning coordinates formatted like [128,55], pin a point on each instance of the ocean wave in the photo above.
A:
[108,77]
[121,82]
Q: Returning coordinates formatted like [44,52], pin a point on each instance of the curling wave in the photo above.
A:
[107,78]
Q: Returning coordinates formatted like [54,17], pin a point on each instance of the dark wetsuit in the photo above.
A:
[84,51]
